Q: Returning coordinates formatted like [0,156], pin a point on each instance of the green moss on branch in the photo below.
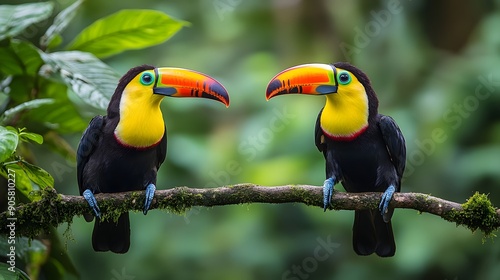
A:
[476,213]
[53,210]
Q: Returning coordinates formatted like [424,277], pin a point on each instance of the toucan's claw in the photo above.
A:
[150,193]
[89,197]
[328,192]
[386,198]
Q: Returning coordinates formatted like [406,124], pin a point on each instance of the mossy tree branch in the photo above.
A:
[53,209]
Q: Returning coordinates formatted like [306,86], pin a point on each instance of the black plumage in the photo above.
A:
[370,162]
[106,166]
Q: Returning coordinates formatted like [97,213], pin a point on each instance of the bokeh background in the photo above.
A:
[435,66]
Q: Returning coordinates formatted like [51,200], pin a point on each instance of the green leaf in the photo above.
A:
[18,274]
[56,41]
[37,175]
[20,58]
[24,246]
[20,88]
[30,251]
[126,30]
[23,183]
[32,104]
[8,143]
[90,79]
[34,253]
[52,38]
[14,19]
[37,138]
[62,115]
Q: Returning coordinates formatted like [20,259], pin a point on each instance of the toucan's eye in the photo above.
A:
[147,79]
[344,78]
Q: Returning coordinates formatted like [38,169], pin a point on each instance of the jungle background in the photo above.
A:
[435,67]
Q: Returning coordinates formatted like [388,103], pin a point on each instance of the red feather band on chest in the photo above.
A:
[345,138]
[121,143]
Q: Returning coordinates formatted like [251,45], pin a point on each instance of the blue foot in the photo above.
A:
[386,198]
[89,197]
[328,192]
[150,193]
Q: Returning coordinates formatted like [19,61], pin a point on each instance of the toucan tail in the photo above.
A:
[111,236]
[372,235]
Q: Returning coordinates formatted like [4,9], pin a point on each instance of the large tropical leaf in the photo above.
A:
[19,58]
[20,88]
[23,182]
[91,79]
[8,143]
[126,30]
[62,115]
[7,272]
[14,19]
[37,175]
[32,104]
[61,21]
[31,251]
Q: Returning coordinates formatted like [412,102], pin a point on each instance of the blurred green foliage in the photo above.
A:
[434,65]
[60,83]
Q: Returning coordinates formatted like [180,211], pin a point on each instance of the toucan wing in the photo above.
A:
[88,143]
[395,143]
[319,138]
[162,150]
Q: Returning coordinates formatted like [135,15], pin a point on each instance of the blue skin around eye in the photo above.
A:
[146,79]
[348,80]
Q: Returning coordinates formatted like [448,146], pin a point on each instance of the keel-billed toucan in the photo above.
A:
[363,149]
[123,150]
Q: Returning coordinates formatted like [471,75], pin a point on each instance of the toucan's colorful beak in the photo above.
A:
[306,79]
[178,82]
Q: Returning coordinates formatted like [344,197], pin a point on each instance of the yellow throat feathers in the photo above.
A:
[141,121]
[345,114]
